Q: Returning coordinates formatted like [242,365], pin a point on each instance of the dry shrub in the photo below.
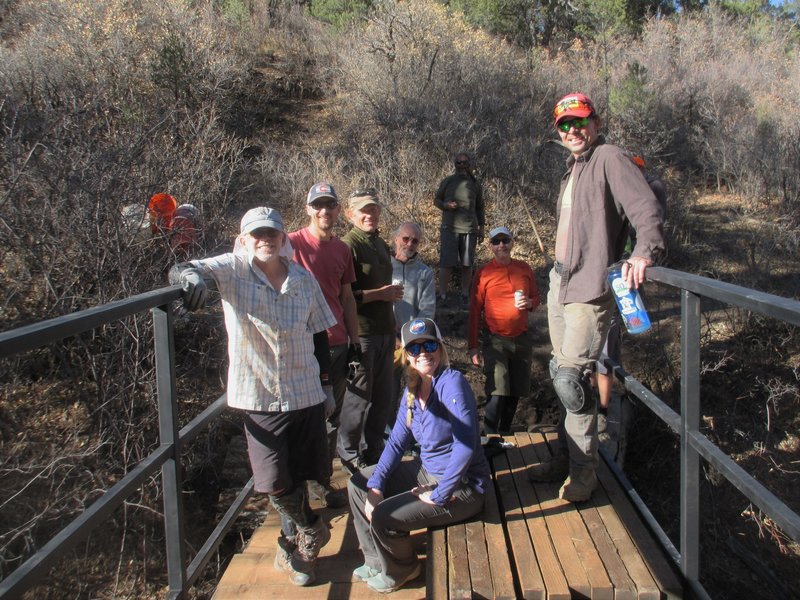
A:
[104,104]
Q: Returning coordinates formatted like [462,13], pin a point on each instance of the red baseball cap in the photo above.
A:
[573,105]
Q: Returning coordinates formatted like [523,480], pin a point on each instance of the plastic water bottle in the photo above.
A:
[629,301]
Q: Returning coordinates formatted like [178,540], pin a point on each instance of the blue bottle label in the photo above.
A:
[630,305]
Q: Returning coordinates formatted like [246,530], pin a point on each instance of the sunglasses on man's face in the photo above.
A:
[498,241]
[330,205]
[462,163]
[568,124]
[406,239]
[416,348]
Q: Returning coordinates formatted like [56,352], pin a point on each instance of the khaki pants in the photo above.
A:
[577,332]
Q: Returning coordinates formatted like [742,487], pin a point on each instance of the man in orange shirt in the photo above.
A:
[506,348]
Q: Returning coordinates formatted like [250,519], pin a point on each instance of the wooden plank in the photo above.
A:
[556,513]
[526,553]
[479,572]
[599,581]
[458,581]
[436,567]
[553,579]
[654,559]
[526,569]
[646,588]
[624,588]
[499,561]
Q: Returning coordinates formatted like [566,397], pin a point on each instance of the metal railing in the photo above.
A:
[166,457]
[693,444]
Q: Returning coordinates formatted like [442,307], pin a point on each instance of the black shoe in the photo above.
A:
[327,495]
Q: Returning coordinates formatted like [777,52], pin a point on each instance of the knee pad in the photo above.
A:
[573,390]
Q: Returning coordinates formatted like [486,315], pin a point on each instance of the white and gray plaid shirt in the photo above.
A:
[270,333]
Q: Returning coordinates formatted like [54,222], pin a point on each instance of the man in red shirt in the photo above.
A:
[503,293]
[328,259]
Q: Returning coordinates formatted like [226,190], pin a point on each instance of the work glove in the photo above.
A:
[330,401]
[194,290]
[354,357]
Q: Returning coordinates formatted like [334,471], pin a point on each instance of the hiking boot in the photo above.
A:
[283,562]
[553,469]
[364,572]
[327,494]
[385,585]
[579,485]
[310,541]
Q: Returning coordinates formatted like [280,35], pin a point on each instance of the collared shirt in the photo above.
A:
[270,333]
[448,436]
[493,299]
[609,194]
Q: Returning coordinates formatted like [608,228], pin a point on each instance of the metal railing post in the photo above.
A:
[168,433]
[690,422]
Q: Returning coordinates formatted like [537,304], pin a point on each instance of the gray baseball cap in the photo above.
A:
[500,231]
[257,218]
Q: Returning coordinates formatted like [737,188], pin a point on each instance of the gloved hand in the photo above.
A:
[194,290]
[354,357]
[354,352]
[330,401]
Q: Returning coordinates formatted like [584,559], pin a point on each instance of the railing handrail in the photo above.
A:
[784,309]
[34,335]
[165,457]
[694,444]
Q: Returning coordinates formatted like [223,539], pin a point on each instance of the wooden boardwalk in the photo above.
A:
[529,544]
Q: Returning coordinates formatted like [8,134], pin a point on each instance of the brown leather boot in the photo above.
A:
[579,485]
[555,468]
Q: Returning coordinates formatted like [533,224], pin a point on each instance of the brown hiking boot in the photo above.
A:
[579,485]
[310,541]
[555,468]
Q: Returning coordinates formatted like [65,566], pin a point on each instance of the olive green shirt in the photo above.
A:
[373,265]
[468,193]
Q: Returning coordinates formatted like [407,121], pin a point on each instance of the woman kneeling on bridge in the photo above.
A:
[444,485]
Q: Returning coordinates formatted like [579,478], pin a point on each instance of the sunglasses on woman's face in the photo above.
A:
[416,348]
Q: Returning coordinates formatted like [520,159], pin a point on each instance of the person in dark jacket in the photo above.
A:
[460,198]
